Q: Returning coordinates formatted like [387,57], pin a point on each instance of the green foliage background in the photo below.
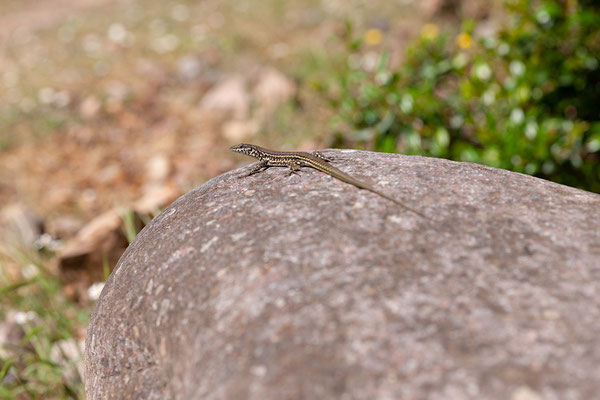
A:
[526,99]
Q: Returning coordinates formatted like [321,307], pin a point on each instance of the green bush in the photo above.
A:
[526,99]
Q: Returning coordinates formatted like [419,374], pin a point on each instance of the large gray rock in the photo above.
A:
[304,287]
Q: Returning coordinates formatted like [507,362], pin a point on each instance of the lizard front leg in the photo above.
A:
[262,165]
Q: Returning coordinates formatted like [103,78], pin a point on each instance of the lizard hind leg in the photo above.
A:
[294,168]
[320,155]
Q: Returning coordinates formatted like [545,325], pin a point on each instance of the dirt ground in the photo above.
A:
[27,16]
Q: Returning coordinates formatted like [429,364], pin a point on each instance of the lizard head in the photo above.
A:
[247,149]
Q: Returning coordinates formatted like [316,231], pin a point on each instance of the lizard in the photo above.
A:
[296,159]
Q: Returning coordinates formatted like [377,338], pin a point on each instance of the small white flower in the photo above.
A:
[483,72]
[383,77]
[406,103]
[488,97]
[456,121]
[531,130]
[20,317]
[442,137]
[489,42]
[413,139]
[530,169]
[510,83]
[23,317]
[576,160]
[542,17]
[517,115]
[548,167]
[46,95]
[459,61]
[62,99]
[567,126]
[429,71]
[165,44]
[117,33]
[92,45]
[593,145]
[503,48]
[95,290]
[30,271]
[516,67]
[556,150]
[369,61]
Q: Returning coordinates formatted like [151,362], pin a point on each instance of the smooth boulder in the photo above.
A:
[304,287]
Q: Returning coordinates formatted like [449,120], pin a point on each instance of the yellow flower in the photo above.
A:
[464,40]
[373,37]
[430,31]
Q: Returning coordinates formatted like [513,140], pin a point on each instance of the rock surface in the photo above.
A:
[277,287]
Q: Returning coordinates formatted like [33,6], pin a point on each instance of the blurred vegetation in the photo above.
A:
[42,364]
[42,327]
[524,99]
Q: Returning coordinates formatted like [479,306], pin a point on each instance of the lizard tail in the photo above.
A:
[397,202]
